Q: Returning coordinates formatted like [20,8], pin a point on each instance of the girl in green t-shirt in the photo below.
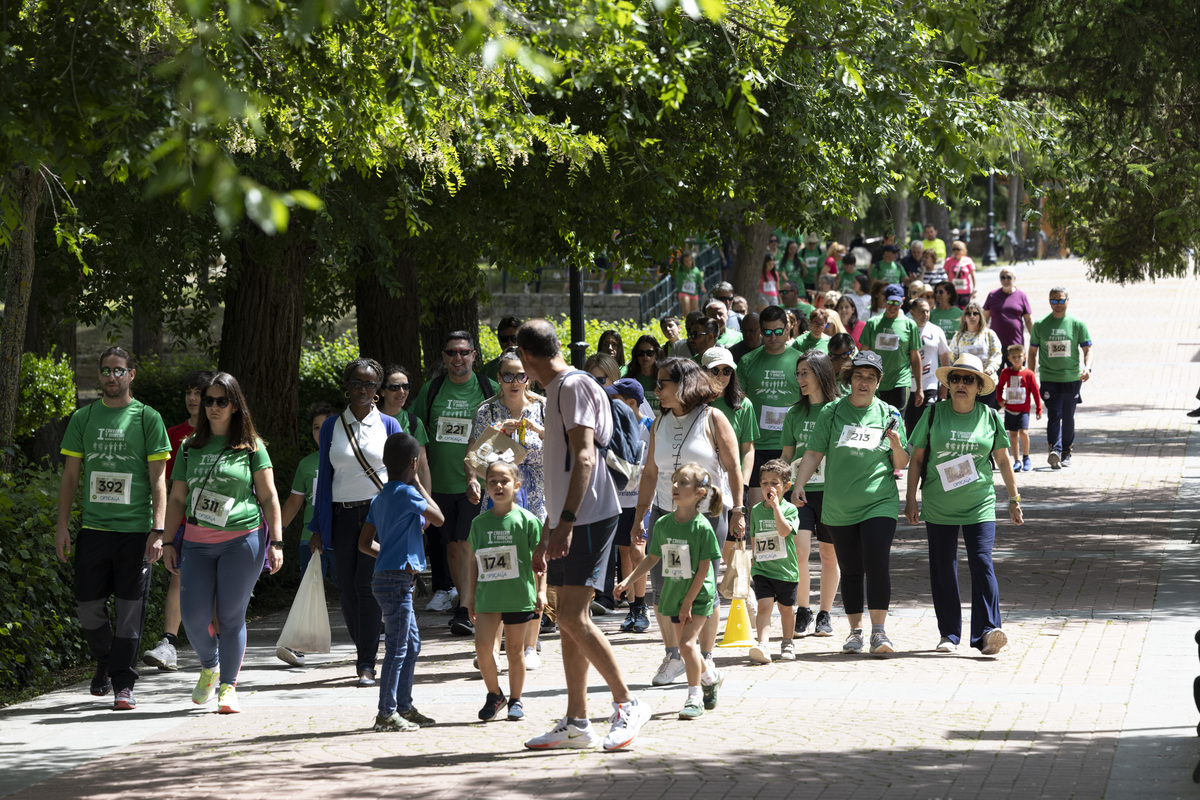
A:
[685,543]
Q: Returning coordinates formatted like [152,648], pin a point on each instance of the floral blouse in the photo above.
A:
[985,345]
[532,494]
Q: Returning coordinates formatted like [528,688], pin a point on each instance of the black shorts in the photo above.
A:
[810,517]
[783,592]
[761,457]
[678,621]
[459,514]
[587,559]
[1016,422]
[625,527]
[517,617]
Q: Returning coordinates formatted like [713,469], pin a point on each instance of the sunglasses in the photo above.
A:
[643,353]
[788,291]
[1006,277]
[219,402]
[601,379]
[718,372]
[839,356]
[1058,302]
[894,302]
[507,340]
[970,313]
[772,331]
[658,384]
[355,383]
[965,380]
[114,372]
[461,352]
[697,334]
[772,240]
[725,299]
[510,377]
[398,387]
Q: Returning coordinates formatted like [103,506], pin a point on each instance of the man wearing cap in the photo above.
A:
[898,342]
[889,269]
[716,310]
[751,337]
[1064,337]
[768,376]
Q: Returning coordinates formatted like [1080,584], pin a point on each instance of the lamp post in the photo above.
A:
[989,254]
[578,341]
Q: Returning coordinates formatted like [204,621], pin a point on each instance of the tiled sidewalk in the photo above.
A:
[1093,698]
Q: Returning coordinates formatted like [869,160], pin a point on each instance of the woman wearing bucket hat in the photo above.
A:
[951,446]
[861,440]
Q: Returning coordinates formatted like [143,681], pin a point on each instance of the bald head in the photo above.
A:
[538,339]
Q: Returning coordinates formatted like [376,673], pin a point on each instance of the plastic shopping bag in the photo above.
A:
[307,626]
[736,582]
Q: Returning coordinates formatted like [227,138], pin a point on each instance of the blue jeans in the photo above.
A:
[943,579]
[226,571]
[393,589]
[1060,400]
[328,562]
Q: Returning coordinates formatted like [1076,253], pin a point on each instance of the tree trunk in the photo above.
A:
[264,326]
[843,230]
[452,297]
[923,210]
[898,206]
[147,329]
[389,315]
[1016,185]
[28,185]
[747,266]
[940,215]
[51,328]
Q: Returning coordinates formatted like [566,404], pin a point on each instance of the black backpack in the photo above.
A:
[622,453]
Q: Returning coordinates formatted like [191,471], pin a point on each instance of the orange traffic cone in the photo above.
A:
[737,626]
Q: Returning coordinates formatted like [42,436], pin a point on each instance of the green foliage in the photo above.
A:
[629,330]
[47,389]
[159,384]
[321,365]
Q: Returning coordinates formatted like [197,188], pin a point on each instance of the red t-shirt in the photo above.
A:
[1026,386]
[177,434]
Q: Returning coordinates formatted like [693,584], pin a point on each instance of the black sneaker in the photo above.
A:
[641,622]
[101,685]
[824,624]
[461,625]
[1195,412]
[627,623]
[492,707]
[548,625]
[804,618]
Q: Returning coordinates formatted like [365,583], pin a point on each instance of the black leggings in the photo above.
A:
[863,551]
[112,564]
[355,569]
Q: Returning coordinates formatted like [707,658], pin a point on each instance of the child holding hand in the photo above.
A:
[775,571]
[687,546]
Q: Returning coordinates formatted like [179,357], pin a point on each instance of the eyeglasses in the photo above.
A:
[643,353]
[461,352]
[839,356]
[114,372]
[658,384]
[965,380]
[772,331]
[718,372]
[510,377]
[398,387]
[723,299]
[219,402]
[1058,302]
[788,291]
[355,383]
[507,340]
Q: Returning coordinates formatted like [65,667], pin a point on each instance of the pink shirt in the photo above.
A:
[962,272]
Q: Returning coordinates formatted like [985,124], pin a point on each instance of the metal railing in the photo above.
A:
[662,298]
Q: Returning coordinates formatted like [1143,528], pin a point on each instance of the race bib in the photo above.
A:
[211,508]
[887,341]
[957,472]
[689,287]
[1058,348]
[111,487]
[768,287]
[453,430]
[818,477]
[962,285]
[676,561]
[978,350]
[1014,395]
[768,547]
[771,418]
[497,563]
[860,437]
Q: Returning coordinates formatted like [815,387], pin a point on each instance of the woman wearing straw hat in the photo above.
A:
[951,445]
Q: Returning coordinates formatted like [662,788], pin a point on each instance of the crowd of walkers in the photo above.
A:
[537,496]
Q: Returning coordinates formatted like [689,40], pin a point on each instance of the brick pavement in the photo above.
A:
[1081,705]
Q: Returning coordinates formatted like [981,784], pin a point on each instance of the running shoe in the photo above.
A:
[289,656]
[1195,412]
[393,723]
[787,651]
[759,654]
[124,701]
[1027,464]
[227,702]
[566,734]
[692,708]
[1066,461]
[642,622]
[461,625]
[439,602]
[804,618]
[710,692]
[547,625]
[881,644]
[492,707]
[597,608]
[1055,459]
[854,642]
[162,656]
[627,623]
[627,721]
[516,710]
[1017,466]
[532,659]
[670,669]
[417,718]
[824,626]
[205,686]
[101,685]
[994,641]
[946,645]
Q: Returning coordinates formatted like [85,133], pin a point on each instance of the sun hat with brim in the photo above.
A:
[967,363]
[627,387]
[717,357]
[868,358]
[811,239]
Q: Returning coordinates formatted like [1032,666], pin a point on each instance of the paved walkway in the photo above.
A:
[1093,699]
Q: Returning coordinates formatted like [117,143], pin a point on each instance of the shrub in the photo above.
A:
[47,392]
[321,365]
[489,347]
[159,384]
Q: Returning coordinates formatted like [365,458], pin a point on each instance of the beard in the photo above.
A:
[112,391]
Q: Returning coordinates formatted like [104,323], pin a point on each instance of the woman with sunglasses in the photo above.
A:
[951,446]
[960,268]
[224,485]
[646,354]
[737,408]
[394,396]
[975,338]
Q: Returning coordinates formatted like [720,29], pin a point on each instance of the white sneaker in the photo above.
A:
[627,722]
[670,669]
[162,656]
[994,641]
[946,645]
[759,654]
[787,651]
[565,734]
[532,659]
[439,602]
[290,656]
[452,598]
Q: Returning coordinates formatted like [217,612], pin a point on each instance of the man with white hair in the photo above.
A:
[723,291]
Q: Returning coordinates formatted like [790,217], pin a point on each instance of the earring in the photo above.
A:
[376,400]
[346,395]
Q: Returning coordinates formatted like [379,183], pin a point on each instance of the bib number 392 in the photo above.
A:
[111,487]
[1059,348]
[676,561]
[453,430]
[497,563]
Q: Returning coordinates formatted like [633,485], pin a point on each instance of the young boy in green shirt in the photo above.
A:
[775,571]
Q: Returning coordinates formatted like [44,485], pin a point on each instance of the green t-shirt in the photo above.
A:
[701,543]
[492,369]
[689,281]
[1058,342]
[647,382]
[305,483]
[798,426]
[813,259]
[858,464]
[802,308]
[770,383]
[419,433]
[845,279]
[503,550]
[115,445]
[450,419]
[809,342]
[728,339]
[883,271]
[220,483]
[894,340]
[744,422]
[947,319]
[774,556]
[958,488]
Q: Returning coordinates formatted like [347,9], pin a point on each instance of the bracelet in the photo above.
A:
[1015,499]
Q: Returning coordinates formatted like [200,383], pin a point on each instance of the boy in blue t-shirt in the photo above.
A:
[393,535]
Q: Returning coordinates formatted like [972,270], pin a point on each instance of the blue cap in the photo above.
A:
[894,291]
[626,387]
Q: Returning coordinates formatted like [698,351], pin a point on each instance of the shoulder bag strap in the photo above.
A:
[368,470]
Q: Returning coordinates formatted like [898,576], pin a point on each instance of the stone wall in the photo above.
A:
[554,304]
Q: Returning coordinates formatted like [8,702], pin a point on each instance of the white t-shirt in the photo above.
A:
[933,345]
[863,304]
[583,404]
[350,484]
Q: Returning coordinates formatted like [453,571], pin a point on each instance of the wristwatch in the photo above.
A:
[1016,498]
[738,508]
[277,544]
[567,515]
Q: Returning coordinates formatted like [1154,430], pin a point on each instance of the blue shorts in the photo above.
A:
[1016,422]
